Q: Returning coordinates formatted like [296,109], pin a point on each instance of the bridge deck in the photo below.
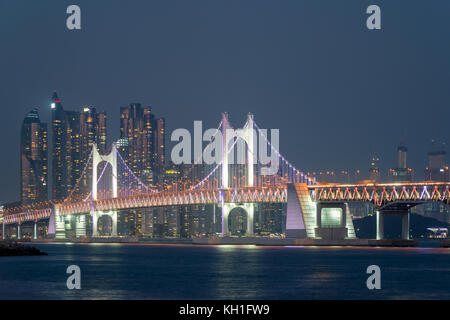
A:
[379,194]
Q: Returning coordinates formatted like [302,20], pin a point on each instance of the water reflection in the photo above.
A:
[149,271]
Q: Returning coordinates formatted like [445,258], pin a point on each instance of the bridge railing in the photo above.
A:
[381,194]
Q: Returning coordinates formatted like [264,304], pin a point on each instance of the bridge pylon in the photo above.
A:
[111,159]
[228,136]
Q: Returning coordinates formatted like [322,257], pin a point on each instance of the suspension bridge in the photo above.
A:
[314,210]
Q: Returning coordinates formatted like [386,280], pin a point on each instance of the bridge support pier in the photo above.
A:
[228,207]
[405,226]
[35,230]
[250,213]
[96,215]
[80,226]
[60,226]
[225,213]
[380,226]
[405,223]
[94,223]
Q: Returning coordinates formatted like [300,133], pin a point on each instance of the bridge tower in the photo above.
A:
[110,158]
[228,135]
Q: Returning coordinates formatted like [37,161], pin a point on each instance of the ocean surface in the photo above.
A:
[148,271]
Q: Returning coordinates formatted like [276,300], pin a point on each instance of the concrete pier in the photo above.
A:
[35,230]
[405,223]
[405,226]
[380,225]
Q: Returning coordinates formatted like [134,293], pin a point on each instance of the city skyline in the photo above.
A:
[85,122]
[72,135]
[225,153]
[290,82]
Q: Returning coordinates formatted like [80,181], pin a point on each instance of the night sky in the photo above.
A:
[337,91]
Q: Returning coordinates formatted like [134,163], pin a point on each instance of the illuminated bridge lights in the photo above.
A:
[208,196]
[128,192]
[380,194]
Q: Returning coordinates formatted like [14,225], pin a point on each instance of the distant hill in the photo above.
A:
[365,228]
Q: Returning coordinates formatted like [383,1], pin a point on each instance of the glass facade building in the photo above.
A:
[136,140]
[33,159]
[142,143]
[73,134]
[437,169]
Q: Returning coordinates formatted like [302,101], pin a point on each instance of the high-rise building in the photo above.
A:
[142,143]
[136,140]
[401,172]
[158,149]
[73,146]
[171,175]
[437,169]
[402,152]
[196,220]
[33,159]
[60,154]
[374,171]
[268,218]
[73,134]
[92,130]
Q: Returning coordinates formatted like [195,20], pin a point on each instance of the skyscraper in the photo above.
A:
[74,133]
[401,172]
[60,154]
[437,169]
[402,153]
[374,171]
[159,150]
[73,146]
[141,145]
[136,140]
[92,129]
[33,159]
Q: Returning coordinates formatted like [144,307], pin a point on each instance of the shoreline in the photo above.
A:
[14,249]
[257,241]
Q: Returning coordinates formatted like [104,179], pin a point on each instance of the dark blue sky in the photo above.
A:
[336,91]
